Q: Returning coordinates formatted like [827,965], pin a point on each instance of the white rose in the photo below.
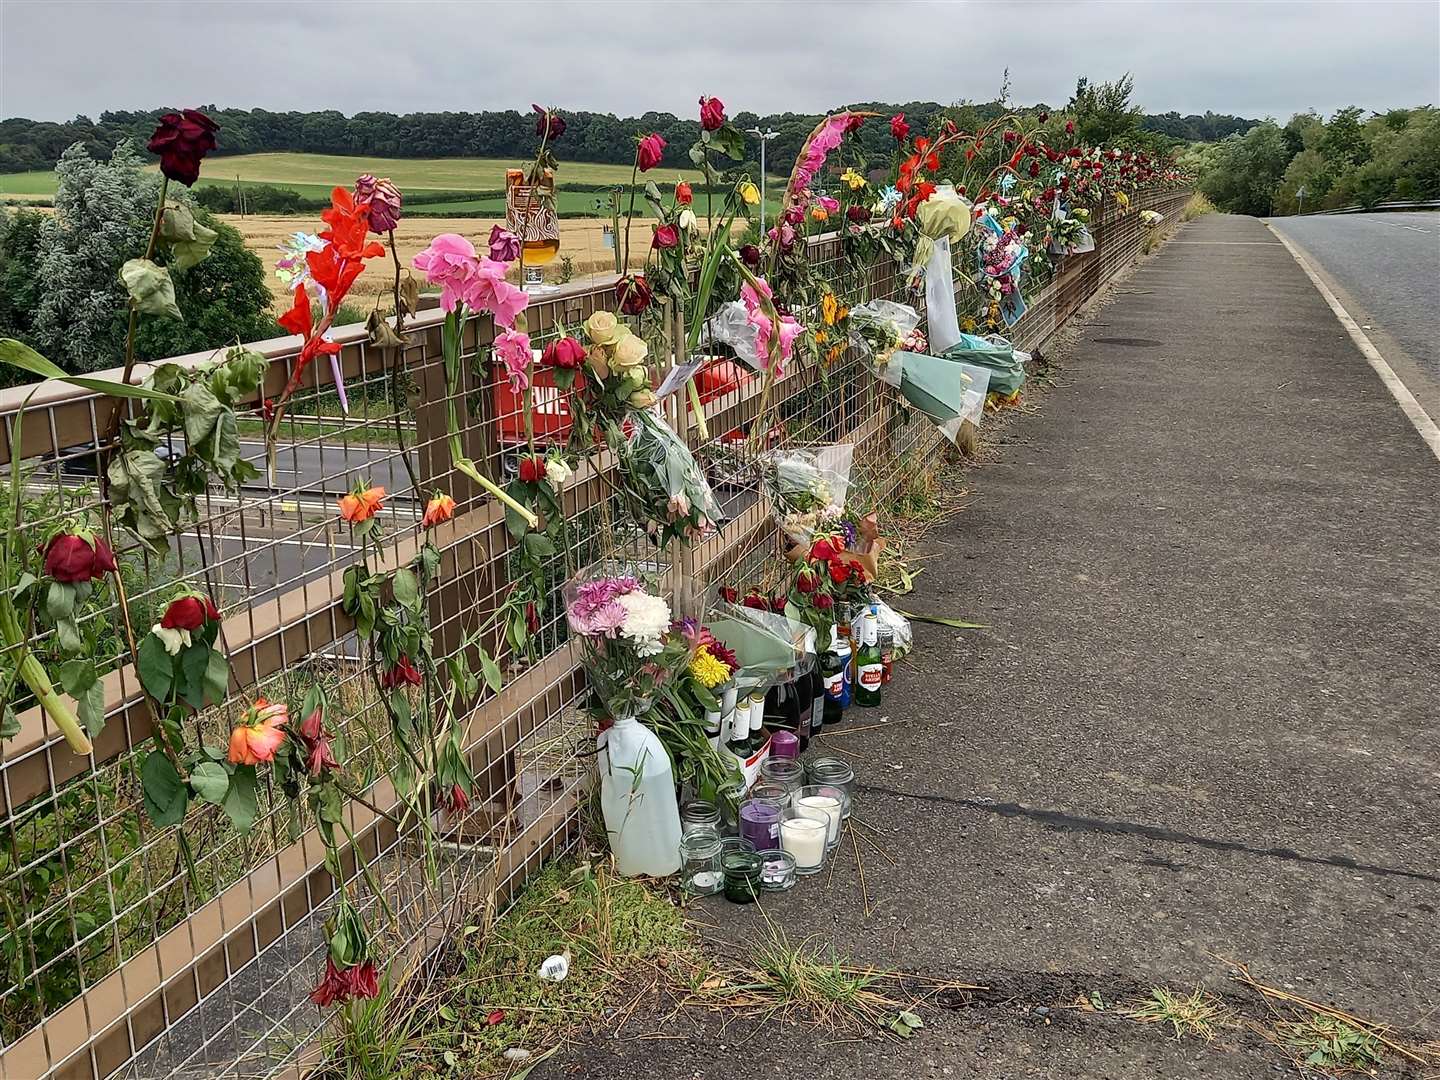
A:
[687,219]
[557,472]
[173,640]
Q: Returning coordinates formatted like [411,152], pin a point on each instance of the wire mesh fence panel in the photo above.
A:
[188,951]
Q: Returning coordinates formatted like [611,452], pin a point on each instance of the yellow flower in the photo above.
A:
[629,351]
[829,308]
[708,671]
[968,325]
[1122,199]
[603,328]
[821,337]
[854,179]
[818,213]
[750,193]
[642,399]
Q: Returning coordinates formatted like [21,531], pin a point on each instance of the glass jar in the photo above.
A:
[742,876]
[823,802]
[771,792]
[760,823]
[700,873]
[784,771]
[728,798]
[735,843]
[699,815]
[836,772]
[804,838]
[777,870]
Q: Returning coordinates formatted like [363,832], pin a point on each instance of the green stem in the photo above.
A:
[32,672]
[630,217]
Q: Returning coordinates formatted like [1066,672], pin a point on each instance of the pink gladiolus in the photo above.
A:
[829,205]
[489,291]
[449,262]
[514,350]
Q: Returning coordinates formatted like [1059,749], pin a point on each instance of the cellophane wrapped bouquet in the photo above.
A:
[807,488]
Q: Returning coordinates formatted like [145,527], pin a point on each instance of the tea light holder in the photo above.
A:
[823,802]
[777,870]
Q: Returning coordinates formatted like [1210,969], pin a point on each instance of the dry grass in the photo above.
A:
[1198,206]
[1197,1013]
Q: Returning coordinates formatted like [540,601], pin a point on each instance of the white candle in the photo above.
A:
[822,808]
[803,838]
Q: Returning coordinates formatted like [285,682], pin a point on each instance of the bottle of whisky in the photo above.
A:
[869,666]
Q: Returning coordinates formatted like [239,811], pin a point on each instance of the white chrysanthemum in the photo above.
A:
[646,619]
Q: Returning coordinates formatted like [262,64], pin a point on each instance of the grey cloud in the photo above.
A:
[62,58]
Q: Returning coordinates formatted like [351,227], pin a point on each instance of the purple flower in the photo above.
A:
[504,244]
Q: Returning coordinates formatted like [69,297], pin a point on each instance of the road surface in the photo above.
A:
[1387,267]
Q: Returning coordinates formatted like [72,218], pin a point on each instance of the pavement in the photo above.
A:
[1201,722]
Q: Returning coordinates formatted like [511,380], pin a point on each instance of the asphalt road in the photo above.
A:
[1198,723]
[1389,265]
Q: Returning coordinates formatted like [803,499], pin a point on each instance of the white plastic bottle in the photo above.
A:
[637,798]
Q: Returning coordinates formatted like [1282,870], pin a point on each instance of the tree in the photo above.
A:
[1102,113]
[1344,142]
[1247,170]
[19,274]
[102,218]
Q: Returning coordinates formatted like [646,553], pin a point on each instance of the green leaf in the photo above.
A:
[188,240]
[81,681]
[242,800]
[157,668]
[217,677]
[729,141]
[194,660]
[150,288]
[200,410]
[941,620]
[210,781]
[18,354]
[491,670]
[406,589]
[538,545]
[165,794]
[59,601]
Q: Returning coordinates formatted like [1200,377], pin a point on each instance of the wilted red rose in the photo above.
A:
[858,214]
[363,980]
[532,469]
[1010,137]
[899,129]
[1034,168]
[853,122]
[456,801]
[729,594]
[683,195]
[839,571]
[549,124]
[825,549]
[633,293]
[757,602]
[712,113]
[823,602]
[666,237]
[335,986]
[182,140]
[649,151]
[403,673]
[806,582]
[185,613]
[73,559]
[532,618]
[565,353]
[1044,116]
[750,255]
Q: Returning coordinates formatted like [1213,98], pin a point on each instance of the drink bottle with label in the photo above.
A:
[739,743]
[835,666]
[869,665]
[816,690]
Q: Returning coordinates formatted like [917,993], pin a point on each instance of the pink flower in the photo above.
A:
[489,291]
[514,350]
[666,237]
[712,113]
[449,262]
[650,151]
[829,205]
[756,315]
[504,245]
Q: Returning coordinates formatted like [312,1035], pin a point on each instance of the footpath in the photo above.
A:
[1202,724]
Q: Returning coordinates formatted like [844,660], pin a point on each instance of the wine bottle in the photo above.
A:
[835,666]
[817,694]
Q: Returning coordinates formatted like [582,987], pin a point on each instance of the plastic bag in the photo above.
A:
[770,647]
[879,327]
[947,390]
[807,488]
[1005,363]
[661,480]
[901,632]
[1069,239]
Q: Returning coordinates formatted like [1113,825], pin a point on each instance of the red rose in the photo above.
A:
[899,129]
[1069,127]
[565,353]
[683,195]
[72,559]
[853,122]
[649,152]
[550,125]
[858,214]
[532,469]
[1044,116]
[729,594]
[333,987]
[1034,168]
[666,237]
[750,255]
[823,602]
[806,582]
[712,113]
[839,571]
[1010,136]
[403,673]
[457,802]
[182,140]
[532,618]
[824,549]
[184,613]
[633,293]
[757,602]
[362,980]
[1053,155]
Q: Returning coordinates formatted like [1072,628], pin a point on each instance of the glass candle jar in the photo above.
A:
[700,873]
[699,815]
[760,823]
[785,771]
[784,745]
[777,870]
[804,838]
[735,843]
[728,798]
[742,876]
[823,802]
[771,792]
[833,771]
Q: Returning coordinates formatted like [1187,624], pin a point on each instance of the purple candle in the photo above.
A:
[784,744]
[760,824]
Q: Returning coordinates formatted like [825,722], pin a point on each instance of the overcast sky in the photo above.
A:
[60,58]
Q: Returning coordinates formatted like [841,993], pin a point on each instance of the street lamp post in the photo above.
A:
[764,137]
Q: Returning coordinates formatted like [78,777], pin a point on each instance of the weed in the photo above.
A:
[1196,1014]
[1198,206]
[802,976]
[1328,1042]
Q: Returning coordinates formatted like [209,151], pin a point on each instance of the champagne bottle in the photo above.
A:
[739,743]
[869,666]
[712,728]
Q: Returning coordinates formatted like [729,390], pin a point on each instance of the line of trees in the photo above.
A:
[1351,159]
[590,136]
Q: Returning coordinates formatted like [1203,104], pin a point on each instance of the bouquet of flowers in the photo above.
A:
[879,327]
[807,488]
[767,645]
[624,629]
[662,482]
[1069,232]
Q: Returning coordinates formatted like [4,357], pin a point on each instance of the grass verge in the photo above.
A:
[1198,206]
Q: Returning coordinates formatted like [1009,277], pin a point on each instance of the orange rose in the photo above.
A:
[259,735]
[440,508]
[361,506]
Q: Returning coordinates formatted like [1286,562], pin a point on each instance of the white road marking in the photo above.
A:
[1424,425]
[1228,243]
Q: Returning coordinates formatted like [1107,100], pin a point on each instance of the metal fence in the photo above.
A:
[121,956]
